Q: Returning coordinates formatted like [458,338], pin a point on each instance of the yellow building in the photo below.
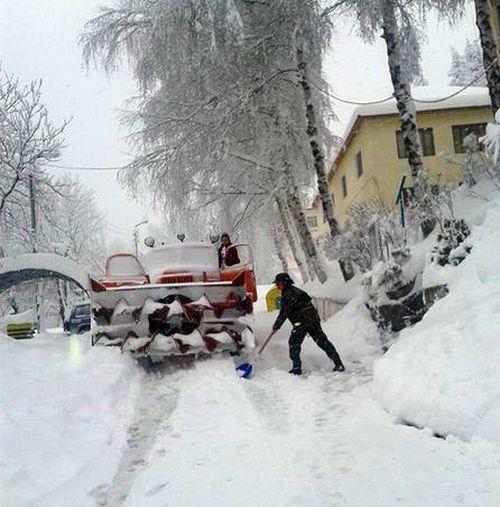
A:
[316,220]
[373,159]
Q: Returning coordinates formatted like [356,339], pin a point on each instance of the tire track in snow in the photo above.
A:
[156,401]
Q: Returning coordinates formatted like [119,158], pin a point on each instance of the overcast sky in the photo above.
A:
[39,39]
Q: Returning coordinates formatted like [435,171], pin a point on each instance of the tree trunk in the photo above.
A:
[285,222]
[402,93]
[490,54]
[61,300]
[11,298]
[280,247]
[295,206]
[317,150]
[314,136]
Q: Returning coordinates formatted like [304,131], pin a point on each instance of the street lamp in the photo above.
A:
[136,242]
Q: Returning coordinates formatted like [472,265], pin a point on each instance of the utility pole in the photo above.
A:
[32,196]
[31,185]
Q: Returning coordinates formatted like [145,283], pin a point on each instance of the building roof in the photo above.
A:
[471,97]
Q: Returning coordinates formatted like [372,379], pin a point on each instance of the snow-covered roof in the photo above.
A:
[471,97]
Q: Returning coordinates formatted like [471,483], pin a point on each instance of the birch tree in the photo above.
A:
[28,140]
[489,50]
[398,22]
[288,231]
[219,92]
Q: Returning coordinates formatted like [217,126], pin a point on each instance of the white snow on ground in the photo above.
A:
[443,373]
[61,405]
[86,426]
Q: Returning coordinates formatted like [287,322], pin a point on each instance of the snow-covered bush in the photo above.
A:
[385,276]
[487,163]
[491,140]
[431,203]
[477,164]
[382,286]
[452,247]
[372,232]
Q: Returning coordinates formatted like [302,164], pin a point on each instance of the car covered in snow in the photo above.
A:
[79,319]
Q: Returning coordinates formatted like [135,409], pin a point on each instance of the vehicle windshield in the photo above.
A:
[81,311]
[124,266]
[183,257]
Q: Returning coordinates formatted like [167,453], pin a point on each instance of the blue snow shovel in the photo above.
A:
[244,370]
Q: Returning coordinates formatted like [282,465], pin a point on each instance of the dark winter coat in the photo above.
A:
[231,257]
[296,306]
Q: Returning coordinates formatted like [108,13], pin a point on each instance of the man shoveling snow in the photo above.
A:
[297,307]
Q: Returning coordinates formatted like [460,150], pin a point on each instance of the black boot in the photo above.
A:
[296,370]
[339,367]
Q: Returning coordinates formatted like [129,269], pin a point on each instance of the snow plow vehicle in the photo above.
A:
[177,301]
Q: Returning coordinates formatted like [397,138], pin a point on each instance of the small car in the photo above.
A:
[79,319]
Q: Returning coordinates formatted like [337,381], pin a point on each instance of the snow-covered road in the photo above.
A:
[85,426]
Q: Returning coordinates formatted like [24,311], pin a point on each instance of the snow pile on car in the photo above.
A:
[443,373]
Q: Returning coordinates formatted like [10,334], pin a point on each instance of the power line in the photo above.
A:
[351,102]
[423,101]
[322,90]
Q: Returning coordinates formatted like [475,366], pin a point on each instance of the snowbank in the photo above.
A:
[443,373]
[335,287]
[353,331]
[62,404]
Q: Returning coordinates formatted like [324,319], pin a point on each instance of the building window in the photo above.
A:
[359,165]
[344,186]
[460,132]
[312,221]
[426,140]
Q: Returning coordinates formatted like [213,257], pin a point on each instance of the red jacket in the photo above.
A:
[231,256]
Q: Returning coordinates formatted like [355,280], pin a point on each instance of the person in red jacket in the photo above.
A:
[228,255]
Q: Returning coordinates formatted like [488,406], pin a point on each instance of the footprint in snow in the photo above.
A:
[156,489]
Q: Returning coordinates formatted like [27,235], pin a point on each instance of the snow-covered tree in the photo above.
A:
[371,229]
[467,65]
[70,225]
[28,140]
[220,120]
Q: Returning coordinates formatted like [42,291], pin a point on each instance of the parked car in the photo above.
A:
[79,319]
